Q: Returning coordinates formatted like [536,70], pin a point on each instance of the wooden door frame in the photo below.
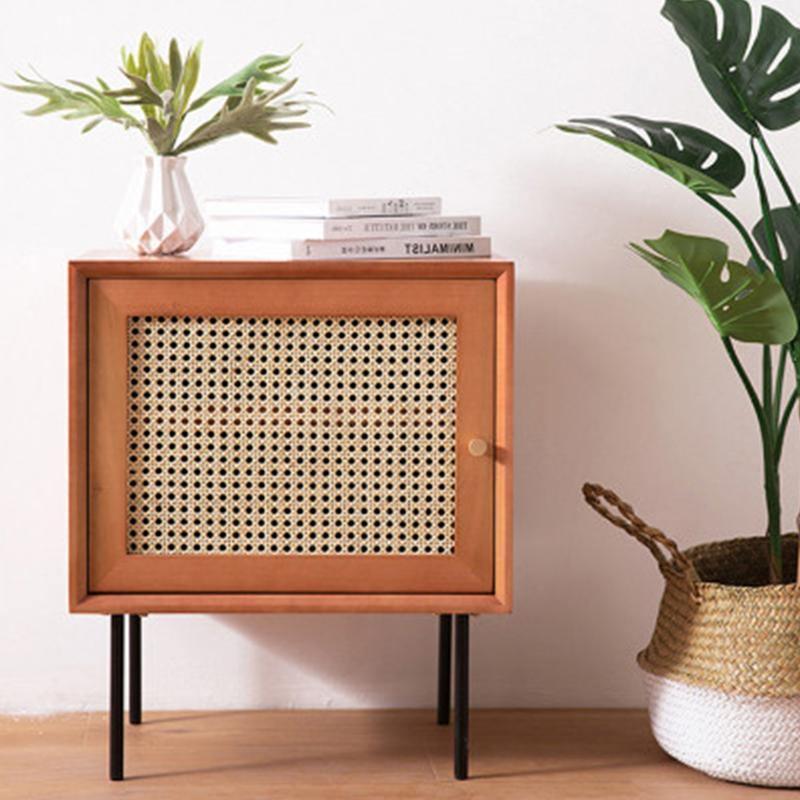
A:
[108,267]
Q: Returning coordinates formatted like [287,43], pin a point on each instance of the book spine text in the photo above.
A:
[416,247]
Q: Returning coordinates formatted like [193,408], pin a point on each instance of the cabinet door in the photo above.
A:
[278,436]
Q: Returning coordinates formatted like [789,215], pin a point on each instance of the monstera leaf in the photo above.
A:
[691,156]
[740,302]
[787,231]
[751,85]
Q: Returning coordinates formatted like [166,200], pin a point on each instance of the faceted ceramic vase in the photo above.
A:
[159,215]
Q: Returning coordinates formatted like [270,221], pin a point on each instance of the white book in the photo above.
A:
[408,247]
[341,227]
[321,206]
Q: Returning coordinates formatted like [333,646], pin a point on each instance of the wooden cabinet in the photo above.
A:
[298,436]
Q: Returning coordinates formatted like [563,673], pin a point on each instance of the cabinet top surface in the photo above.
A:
[122,264]
[204,255]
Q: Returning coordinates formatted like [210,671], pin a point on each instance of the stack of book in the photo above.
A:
[277,228]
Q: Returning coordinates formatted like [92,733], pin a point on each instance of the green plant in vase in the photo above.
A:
[758,86]
[158,98]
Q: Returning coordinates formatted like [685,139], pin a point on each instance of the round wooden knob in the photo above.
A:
[478,447]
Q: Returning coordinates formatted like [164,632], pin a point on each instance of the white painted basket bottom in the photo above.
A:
[753,740]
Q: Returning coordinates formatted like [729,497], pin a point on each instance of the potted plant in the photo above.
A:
[722,670]
[159,214]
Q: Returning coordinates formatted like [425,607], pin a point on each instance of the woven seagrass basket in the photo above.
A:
[722,670]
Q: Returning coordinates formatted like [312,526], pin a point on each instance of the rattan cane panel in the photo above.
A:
[291,436]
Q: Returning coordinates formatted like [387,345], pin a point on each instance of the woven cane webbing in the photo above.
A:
[291,436]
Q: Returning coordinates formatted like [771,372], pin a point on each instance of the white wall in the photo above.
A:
[621,380]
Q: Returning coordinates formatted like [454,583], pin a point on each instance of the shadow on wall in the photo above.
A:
[580,407]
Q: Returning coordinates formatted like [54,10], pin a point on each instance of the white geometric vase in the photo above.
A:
[159,215]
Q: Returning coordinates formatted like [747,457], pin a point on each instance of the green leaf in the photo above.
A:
[188,82]
[71,104]
[787,231]
[130,62]
[145,42]
[256,114]
[175,64]
[141,92]
[265,69]
[739,302]
[693,157]
[157,68]
[756,85]
[91,125]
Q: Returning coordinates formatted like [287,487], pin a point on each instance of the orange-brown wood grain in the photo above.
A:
[78,432]
[504,419]
[244,603]
[390,754]
[475,580]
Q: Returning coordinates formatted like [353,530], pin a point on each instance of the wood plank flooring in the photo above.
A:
[353,755]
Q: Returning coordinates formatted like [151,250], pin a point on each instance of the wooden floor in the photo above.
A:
[375,755]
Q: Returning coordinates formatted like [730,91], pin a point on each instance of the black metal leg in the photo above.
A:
[116,728]
[445,668]
[135,677]
[461,749]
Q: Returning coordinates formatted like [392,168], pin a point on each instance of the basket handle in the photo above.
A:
[602,500]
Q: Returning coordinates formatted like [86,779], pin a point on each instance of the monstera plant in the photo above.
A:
[754,77]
